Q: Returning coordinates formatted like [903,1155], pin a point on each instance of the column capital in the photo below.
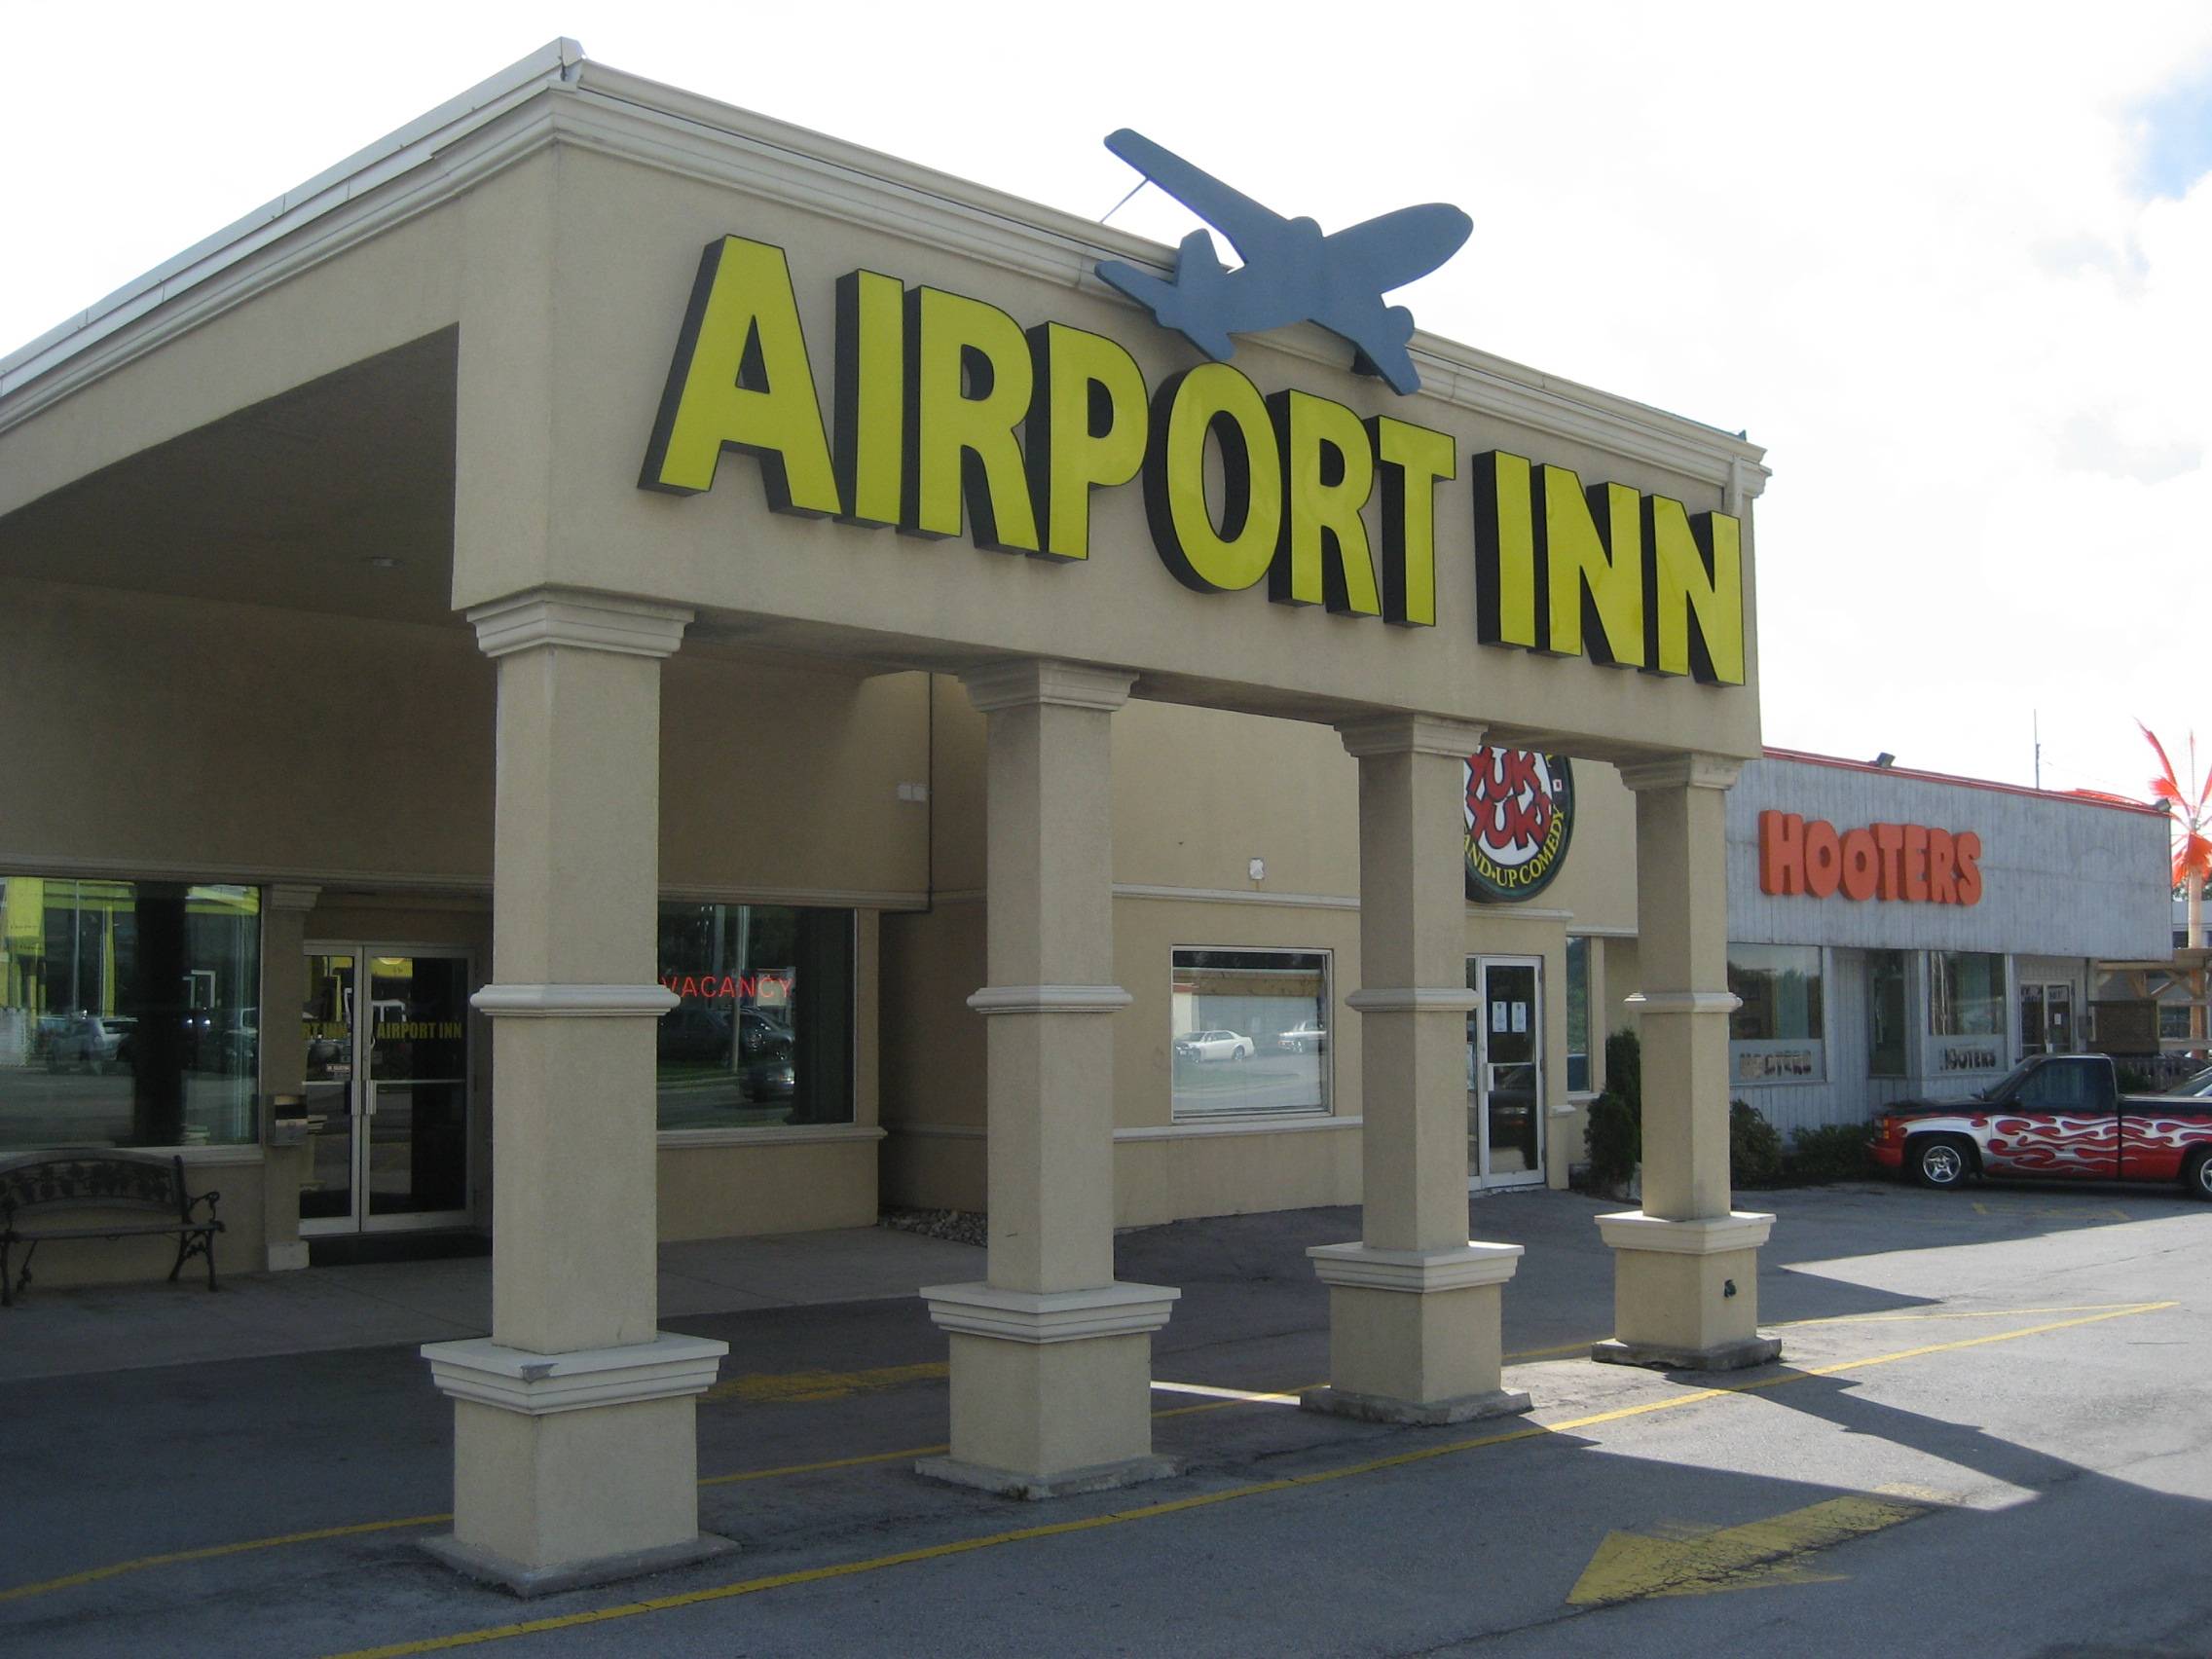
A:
[580,620]
[289,896]
[1027,681]
[1682,1002]
[1410,734]
[574,1002]
[1682,771]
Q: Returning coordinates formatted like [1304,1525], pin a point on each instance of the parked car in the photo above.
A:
[2059,1115]
[762,1037]
[1302,1037]
[100,1043]
[1214,1045]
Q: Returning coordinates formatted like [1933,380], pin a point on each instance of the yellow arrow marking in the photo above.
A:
[1681,1560]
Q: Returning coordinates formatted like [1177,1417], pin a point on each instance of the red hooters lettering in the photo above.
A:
[1904,862]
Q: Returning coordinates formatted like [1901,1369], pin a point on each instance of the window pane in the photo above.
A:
[763,1030]
[128,1013]
[1966,994]
[1780,986]
[1250,1032]
[1885,1003]
[1578,1016]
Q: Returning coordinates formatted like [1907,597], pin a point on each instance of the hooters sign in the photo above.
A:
[1520,816]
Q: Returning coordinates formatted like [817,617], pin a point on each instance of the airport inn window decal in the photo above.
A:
[949,417]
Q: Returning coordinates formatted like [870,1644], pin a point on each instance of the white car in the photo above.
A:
[1214,1046]
[1300,1038]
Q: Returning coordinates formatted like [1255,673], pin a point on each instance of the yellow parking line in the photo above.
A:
[94,1574]
[69,1581]
[1203,1500]
[1955,1314]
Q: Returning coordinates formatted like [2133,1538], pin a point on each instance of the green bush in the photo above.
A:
[1624,1070]
[1755,1149]
[1616,1135]
[1834,1152]
[2134,1082]
[1615,1139]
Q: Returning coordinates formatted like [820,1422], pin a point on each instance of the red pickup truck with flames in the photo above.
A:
[2059,1115]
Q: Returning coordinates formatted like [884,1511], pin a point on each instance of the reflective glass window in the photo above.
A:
[1250,1032]
[1966,994]
[761,1033]
[129,1013]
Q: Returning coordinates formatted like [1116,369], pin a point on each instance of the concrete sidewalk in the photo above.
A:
[104,1328]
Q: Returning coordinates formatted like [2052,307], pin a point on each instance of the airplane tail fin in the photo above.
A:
[1186,303]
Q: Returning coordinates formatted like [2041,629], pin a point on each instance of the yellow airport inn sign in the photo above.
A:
[949,416]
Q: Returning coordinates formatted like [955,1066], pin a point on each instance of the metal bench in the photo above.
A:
[48,1183]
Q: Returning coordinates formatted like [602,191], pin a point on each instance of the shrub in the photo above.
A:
[2134,1082]
[1615,1139]
[1755,1149]
[1616,1135]
[1624,1070]
[1833,1152]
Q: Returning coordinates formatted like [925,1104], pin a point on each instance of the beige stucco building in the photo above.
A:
[720,743]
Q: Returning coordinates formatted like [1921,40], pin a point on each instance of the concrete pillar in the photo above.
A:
[1414,1307]
[575,1459]
[1686,1266]
[283,1064]
[1052,1358]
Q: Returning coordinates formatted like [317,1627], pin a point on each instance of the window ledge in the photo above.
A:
[239,1153]
[769,1134]
[1276,1124]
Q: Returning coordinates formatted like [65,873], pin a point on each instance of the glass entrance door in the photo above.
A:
[388,1086]
[2047,1018]
[1505,1048]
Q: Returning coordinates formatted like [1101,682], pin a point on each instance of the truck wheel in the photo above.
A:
[1940,1160]
[2198,1178]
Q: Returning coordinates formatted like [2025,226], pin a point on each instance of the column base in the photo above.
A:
[288,1257]
[574,1468]
[488,1567]
[1658,1356]
[1012,1483]
[1414,1335]
[1376,1407]
[1051,1391]
[1686,1293]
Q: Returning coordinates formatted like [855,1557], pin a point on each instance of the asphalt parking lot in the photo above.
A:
[1990,1432]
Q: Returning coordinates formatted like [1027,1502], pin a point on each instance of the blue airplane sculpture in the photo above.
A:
[1291,271]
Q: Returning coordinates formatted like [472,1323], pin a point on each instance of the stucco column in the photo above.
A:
[1414,1307]
[1686,1266]
[1052,1358]
[284,1066]
[575,1457]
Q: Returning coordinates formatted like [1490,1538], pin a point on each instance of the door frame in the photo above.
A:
[360,1220]
[2043,987]
[1479,1177]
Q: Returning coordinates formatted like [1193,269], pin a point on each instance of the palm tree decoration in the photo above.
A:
[2193,850]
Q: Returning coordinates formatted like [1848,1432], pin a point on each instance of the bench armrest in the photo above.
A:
[209,1198]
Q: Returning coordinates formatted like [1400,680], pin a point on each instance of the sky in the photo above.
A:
[1950,264]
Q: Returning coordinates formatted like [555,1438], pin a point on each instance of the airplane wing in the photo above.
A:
[1248,226]
[1389,252]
